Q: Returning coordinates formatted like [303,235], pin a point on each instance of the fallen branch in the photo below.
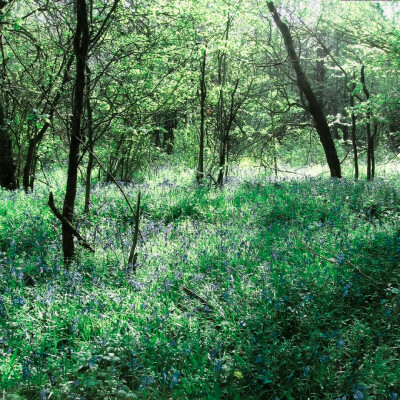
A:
[197,297]
[334,260]
[212,178]
[67,224]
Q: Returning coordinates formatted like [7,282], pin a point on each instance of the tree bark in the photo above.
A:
[314,107]
[90,163]
[203,96]
[7,165]
[81,45]
[353,129]
[370,137]
[8,178]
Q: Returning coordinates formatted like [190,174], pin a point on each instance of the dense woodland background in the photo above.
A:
[158,235]
[203,84]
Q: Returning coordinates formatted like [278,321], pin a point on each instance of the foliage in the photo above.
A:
[302,277]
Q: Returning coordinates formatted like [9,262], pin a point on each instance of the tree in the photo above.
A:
[7,164]
[314,107]
[203,97]
[81,47]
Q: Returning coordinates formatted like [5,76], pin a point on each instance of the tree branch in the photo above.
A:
[68,224]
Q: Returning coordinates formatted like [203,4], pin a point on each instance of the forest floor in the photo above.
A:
[296,282]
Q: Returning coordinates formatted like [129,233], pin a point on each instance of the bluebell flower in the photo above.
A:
[340,343]
[93,361]
[146,380]
[213,353]
[266,377]
[323,358]
[218,365]
[133,363]
[340,259]
[258,360]
[26,373]
[19,301]
[43,395]
[346,289]
[358,392]
[307,370]
[174,379]
[358,395]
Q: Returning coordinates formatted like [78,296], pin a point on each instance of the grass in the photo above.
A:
[301,280]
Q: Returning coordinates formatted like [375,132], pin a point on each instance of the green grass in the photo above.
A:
[302,277]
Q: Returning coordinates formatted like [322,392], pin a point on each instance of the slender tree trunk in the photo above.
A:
[170,126]
[81,45]
[314,107]
[8,178]
[372,147]
[203,97]
[370,137]
[274,144]
[27,181]
[353,129]
[222,153]
[223,132]
[7,165]
[369,147]
[90,163]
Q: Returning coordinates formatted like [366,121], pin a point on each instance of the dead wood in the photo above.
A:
[67,224]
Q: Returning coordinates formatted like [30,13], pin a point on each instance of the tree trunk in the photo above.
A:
[27,180]
[90,163]
[203,96]
[314,107]
[274,145]
[7,165]
[81,45]
[370,137]
[372,148]
[353,129]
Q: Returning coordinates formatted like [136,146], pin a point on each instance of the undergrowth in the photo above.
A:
[299,282]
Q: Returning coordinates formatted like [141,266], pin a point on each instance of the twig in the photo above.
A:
[333,260]
[212,178]
[113,179]
[67,224]
[133,255]
[197,297]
